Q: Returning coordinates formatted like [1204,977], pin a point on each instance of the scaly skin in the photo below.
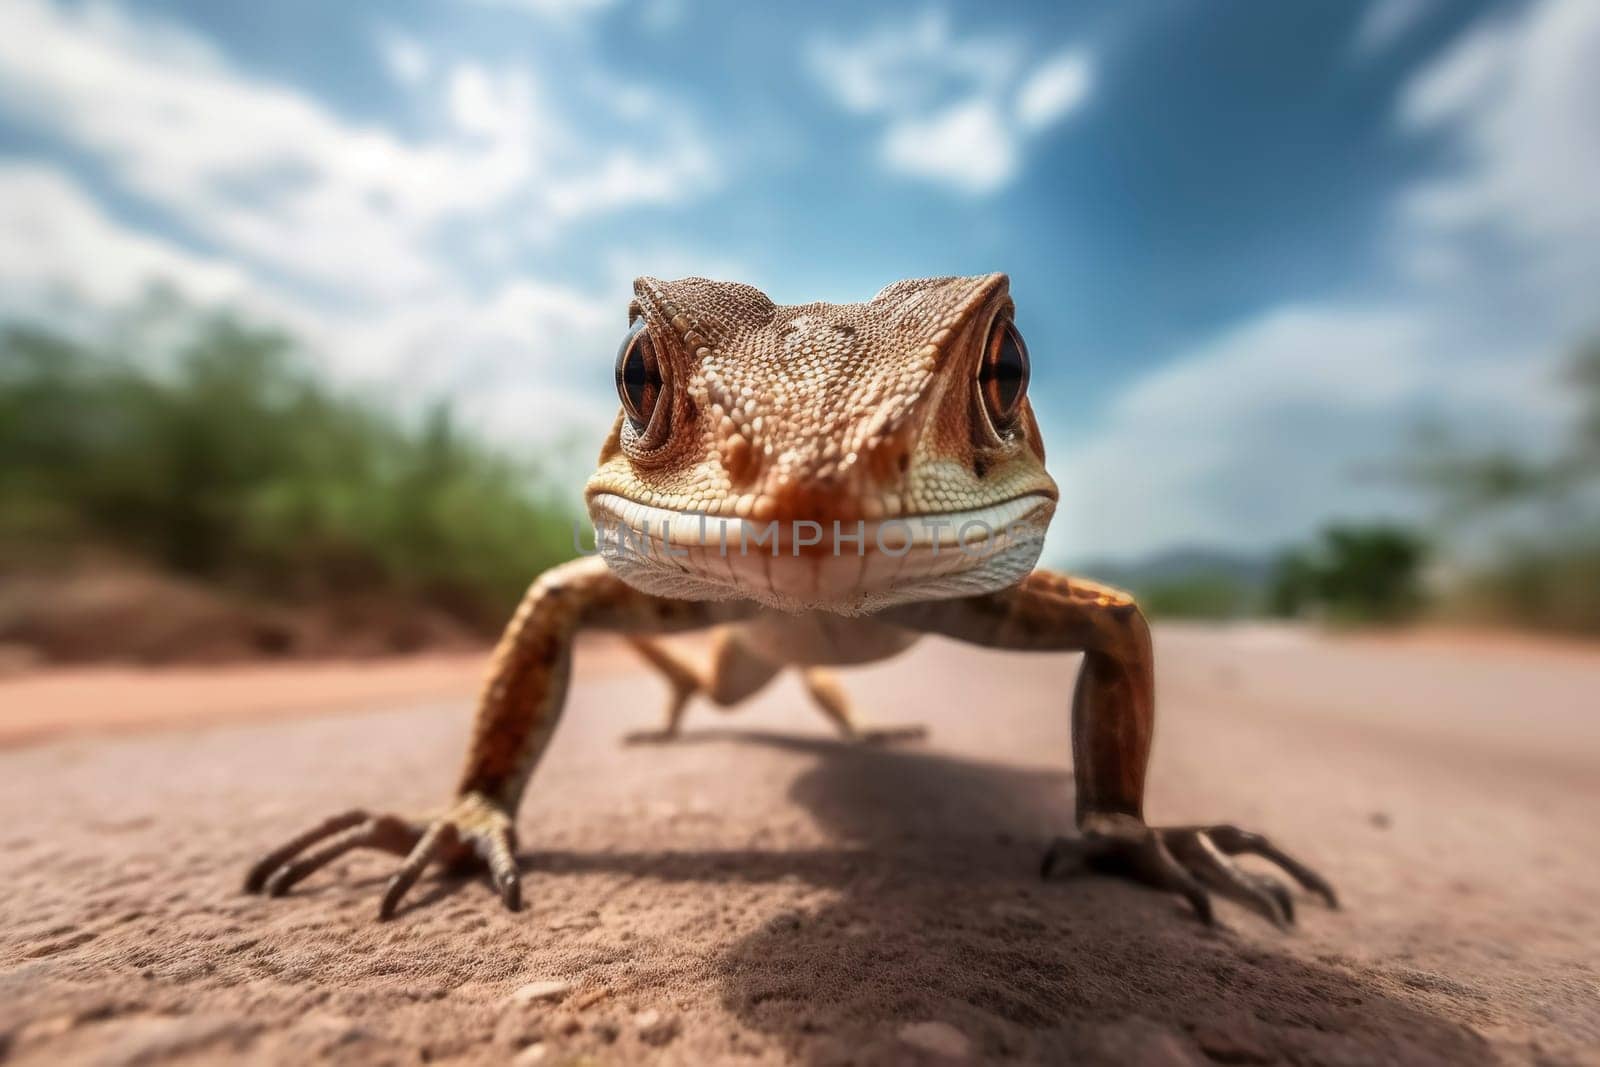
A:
[846,421]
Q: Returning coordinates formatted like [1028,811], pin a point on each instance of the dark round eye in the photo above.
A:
[638,376]
[1003,375]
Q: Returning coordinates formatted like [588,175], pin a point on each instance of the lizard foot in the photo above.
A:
[473,829]
[1189,861]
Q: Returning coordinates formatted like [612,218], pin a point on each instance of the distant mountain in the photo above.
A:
[1188,563]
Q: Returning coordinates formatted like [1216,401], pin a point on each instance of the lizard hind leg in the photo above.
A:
[829,695]
[735,674]
[683,679]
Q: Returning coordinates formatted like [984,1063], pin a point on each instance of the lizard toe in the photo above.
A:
[1193,862]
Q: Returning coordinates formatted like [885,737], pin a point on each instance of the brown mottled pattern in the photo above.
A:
[820,411]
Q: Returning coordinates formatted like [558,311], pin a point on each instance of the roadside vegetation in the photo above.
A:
[1351,574]
[1511,539]
[1527,526]
[206,449]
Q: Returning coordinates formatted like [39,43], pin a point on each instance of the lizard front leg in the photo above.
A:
[1113,720]
[521,702]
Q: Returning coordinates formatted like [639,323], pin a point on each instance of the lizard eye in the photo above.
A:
[1003,375]
[638,376]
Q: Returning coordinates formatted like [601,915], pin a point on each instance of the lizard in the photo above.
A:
[885,461]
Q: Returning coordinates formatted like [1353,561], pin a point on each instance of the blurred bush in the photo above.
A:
[1541,586]
[1353,574]
[205,448]
[1524,527]
[1199,596]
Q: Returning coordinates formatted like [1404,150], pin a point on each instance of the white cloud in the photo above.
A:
[660,15]
[395,260]
[1258,436]
[506,360]
[956,111]
[55,242]
[967,147]
[907,67]
[1386,22]
[551,9]
[1518,99]
[625,177]
[1240,441]
[407,59]
[257,169]
[1055,89]
[492,105]
[1456,85]
[526,362]
[269,175]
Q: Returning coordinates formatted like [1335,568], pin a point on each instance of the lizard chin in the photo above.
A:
[844,568]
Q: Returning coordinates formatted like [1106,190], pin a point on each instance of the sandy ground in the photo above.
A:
[759,893]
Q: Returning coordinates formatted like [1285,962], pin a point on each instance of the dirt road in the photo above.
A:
[759,893]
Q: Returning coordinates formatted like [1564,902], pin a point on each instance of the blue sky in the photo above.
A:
[1253,245]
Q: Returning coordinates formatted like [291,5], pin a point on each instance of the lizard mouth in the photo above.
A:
[848,567]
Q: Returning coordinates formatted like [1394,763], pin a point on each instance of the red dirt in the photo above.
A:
[107,612]
[758,893]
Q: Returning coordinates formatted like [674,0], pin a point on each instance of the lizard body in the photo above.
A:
[823,484]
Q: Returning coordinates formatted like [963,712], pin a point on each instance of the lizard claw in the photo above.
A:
[473,827]
[1192,861]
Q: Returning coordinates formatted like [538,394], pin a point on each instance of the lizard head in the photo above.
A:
[835,457]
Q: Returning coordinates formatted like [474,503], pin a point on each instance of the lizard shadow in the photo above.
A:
[931,908]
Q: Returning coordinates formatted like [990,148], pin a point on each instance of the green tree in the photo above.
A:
[205,446]
[1353,574]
